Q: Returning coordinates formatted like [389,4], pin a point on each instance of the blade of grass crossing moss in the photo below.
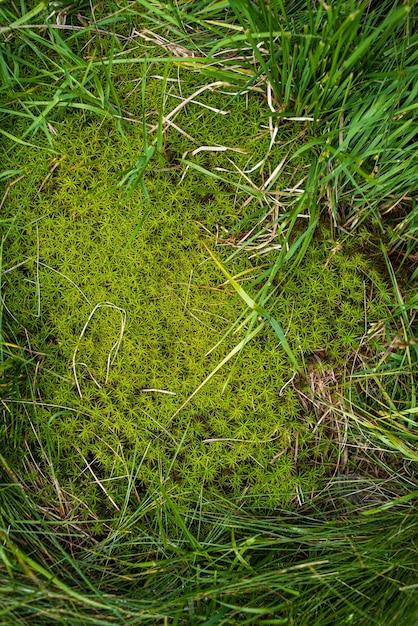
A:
[240,291]
[250,190]
[138,226]
[249,324]
[257,309]
[286,253]
[229,356]
[240,322]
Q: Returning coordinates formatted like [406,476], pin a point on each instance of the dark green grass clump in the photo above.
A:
[125,326]
[159,566]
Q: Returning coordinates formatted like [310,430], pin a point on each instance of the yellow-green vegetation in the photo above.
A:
[208,350]
[127,314]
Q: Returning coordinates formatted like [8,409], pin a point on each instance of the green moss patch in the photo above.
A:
[123,306]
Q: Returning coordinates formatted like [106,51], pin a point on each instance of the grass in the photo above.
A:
[278,484]
[246,569]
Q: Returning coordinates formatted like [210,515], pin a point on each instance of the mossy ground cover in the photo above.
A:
[122,305]
[278,484]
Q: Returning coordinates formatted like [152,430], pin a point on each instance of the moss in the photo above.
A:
[72,235]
